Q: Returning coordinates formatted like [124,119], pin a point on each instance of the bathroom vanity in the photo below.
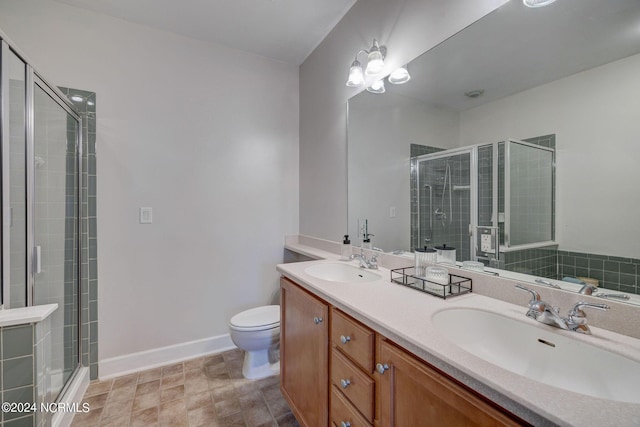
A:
[335,356]
[369,353]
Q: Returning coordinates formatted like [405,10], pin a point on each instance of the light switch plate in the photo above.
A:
[146,215]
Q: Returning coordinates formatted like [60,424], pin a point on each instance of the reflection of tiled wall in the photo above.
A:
[417,150]
[616,273]
[454,232]
[540,262]
[86,107]
[25,360]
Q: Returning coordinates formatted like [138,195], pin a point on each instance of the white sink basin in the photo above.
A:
[337,272]
[541,355]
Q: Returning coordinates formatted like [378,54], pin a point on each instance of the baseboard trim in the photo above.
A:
[134,362]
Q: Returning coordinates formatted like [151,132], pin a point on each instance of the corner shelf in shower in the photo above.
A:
[457,285]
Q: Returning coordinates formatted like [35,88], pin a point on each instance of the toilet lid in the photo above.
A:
[265,316]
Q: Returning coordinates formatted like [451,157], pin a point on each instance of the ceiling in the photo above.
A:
[283,30]
[516,48]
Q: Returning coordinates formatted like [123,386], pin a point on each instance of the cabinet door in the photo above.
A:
[304,354]
[414,394]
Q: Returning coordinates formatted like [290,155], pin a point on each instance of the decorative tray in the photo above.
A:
[457,285]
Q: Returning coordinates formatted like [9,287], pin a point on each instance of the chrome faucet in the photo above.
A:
[364,262]
[576,320]
[588,289]
[542,311]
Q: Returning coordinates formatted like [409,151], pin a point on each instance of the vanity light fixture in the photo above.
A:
[375,64]
[377,86]
[399,76]
[537,3]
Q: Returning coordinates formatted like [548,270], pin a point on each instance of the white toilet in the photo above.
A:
[256,331]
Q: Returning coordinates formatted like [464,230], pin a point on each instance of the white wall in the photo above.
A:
[381,131]
[594,117]
[407,28]
[207,136]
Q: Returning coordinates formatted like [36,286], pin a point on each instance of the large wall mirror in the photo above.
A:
[562,83]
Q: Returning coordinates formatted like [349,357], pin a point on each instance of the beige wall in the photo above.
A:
[407,28]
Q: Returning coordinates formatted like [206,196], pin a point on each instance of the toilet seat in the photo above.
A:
[257,319]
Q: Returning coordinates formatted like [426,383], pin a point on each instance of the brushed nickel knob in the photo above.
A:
[345,383]
[344,339]
[317,320]
[345,424]
[381,368]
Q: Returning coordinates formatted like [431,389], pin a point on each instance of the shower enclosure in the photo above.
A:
[41,217]
[485,200]
[444,200]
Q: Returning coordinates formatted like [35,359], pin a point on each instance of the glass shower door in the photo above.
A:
[445,201]
[56,229]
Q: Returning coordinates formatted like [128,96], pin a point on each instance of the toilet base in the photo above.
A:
[257,365]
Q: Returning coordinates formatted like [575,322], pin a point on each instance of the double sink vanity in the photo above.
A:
[360,350]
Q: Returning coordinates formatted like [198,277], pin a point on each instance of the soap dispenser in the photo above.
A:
[346,249]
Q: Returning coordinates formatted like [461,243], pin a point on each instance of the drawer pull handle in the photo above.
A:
[344,339]
[317,320]
[381,368]
[345,424]
[345,383]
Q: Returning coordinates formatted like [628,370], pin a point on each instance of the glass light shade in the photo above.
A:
[400,76]
[356,78]
[377,87]
[537,3]
[375,63]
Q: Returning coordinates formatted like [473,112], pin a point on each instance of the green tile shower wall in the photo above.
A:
[89,244]
[17,371]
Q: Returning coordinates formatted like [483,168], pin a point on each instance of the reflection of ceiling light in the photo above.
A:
[90,103]
[474,93]
[377,87]
[77,98]
[375,64]
[400,76]
[537,3]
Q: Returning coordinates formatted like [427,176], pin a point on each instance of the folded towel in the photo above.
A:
[573,280]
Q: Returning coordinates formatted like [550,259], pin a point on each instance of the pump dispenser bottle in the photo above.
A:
[346,249]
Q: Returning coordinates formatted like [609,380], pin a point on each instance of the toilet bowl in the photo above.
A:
[256,331]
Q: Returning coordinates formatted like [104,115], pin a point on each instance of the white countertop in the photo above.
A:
[404,316]
[26,315]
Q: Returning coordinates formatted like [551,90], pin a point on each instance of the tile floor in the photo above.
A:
[208,391]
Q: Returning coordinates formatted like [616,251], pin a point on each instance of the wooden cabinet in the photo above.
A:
[329,375]
[411,393]
[352,384]
[304,354]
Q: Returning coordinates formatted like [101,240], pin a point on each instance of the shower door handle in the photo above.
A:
[37,259]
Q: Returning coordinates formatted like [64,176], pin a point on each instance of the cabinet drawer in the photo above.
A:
[342,413]
[353,383]
[353,339]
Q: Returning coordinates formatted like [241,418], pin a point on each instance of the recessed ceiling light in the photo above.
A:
[537,3]
[474,93]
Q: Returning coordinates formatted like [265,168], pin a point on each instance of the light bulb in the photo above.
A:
[377,87]
[356,78]
[400,76]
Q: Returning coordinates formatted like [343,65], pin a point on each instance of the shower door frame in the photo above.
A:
[473,190]
[60,99]
[33,78]
[508,247]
